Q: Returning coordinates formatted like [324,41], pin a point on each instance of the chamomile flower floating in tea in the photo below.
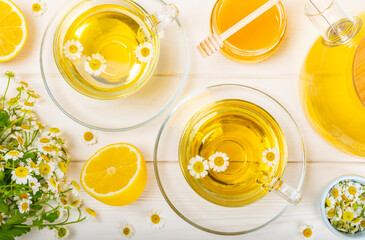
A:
[73,49]
[271,157]
[144,52]
[306,231]
[39,7]
[345,206]
[127,231]
[198,167]
[218,162]
[95,65]
[90,137]
[62,233]
[156,219]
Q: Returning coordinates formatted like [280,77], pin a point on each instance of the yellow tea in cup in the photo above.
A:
[107,51]
[230,151]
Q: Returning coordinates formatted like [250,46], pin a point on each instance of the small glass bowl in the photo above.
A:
[194,209]
[349,236]
[244,55]
[135,110]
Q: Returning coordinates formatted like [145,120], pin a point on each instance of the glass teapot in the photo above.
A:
[332,85]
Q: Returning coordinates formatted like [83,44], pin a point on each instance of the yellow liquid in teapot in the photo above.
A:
[329,97]
[243,131]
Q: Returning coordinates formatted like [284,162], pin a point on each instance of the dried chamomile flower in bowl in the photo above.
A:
[343,207]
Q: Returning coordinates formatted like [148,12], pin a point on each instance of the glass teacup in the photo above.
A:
[107,49]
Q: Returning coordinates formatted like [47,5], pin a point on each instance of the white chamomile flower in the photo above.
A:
[75,203]
[60,212]
[21,175]
[52,185]
[2,218]
[34,184]
[13,155]
[336,192]
[330,201]
[73,49]
[27,105]
[19,137]
[330,212]
[33,166]
[144,52]
[2,166]
[39,7]
[351,191]
[198,167]
[218,162]
[75,188]
[54,132]
[306,231]
[89,137]
[270,156]
[24,205]
[23,196]
[46,169]
[62,233]
[95,65]
[348,214]
[61,169]
[127,231]
[156,219]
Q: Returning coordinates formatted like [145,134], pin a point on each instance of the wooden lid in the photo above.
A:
[359,70]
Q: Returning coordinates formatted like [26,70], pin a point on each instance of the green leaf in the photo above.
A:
[9,234]
[50,217]
[2,175]
[37,222]
[4,118]
[37,207]
[4,208]
[16,219]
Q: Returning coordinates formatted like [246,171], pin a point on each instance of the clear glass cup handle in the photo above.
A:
[285,191]
[165,16]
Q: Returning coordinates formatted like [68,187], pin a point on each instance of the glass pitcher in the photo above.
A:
[332,85]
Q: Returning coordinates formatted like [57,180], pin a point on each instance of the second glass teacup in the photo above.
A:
[107,49]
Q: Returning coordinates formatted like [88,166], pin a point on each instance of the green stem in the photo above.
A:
[6,90]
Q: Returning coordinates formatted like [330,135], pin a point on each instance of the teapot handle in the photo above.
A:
[165,16]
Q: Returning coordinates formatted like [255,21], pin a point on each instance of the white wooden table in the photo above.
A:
[278,76]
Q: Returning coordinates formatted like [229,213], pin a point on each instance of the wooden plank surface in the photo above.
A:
[278,76]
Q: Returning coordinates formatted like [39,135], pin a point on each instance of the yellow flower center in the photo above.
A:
[36,7]
[21,172]
[55,148]
[348,216]
[75,203]
[44,140]
[29,104]
[270,156]
[155,219]
[61,232]
[331,213]
[44,169]
[335,192]
[62,167]
[25,127]
[126,231]
[328,202]
[356,220]
[13,153]
[24,83]
[352,190]
[1,218]
[218,161]
[1,165]
[95,64]
[90,212]
[32,164]
[198,167]
[73,49]
[47,148]
[145,52]
[88,136]
[53,182]
[362,223]
[45,158]
[307,232]
[25,206]
[63,201]
[23,196]
[76,185]
[20,140]
[54,130]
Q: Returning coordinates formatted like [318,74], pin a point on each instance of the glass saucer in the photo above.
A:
[135,110]
[186,202]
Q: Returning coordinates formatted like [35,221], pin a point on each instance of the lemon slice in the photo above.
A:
[115,175]
[13,30]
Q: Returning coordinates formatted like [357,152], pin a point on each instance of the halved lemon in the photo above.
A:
[13,30]
[115,175]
